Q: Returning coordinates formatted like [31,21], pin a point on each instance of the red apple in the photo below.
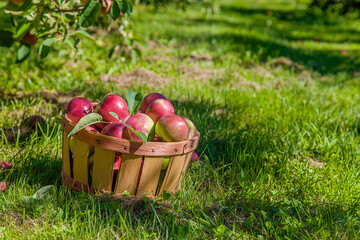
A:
[117,165]
[92,128]
[157,139]
[106,9]
[159,108]
[149,99]
[32,121]
[114,130]
[194,157]
[139,122]
[172,128]
[192,127]
[113,103]
[29,38]
[78,107]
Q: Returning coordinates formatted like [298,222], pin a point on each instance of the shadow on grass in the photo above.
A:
[274,41]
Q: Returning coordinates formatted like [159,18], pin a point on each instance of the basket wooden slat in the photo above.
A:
[173,172]
[131,147]
[150,176]
[80,163]
[184,170]
[66,155]
[128,173]
[102,176]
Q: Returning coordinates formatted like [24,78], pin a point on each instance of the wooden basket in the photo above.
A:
[75,169]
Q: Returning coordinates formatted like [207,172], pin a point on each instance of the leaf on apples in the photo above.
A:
[23,52]
[85,121]
[134,101]
[140,134]
[89,13]
[114,115]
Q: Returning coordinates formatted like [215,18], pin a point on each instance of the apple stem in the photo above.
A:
[126,118]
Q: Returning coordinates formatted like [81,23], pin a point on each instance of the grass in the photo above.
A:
[279,144]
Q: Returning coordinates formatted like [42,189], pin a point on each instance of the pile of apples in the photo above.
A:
[155,115]
[153,120]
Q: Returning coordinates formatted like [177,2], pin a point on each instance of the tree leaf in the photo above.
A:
[6,39]
[85,121]
[20,32]
[41,192]
[134,101]
[140,134]
[83,34]
[129,8]
[89,13]
[45,47]
[115,10]
[23,52]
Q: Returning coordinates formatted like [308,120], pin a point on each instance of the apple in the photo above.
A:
[114,130]
[3,186]
[29,38]
[149,99]
[159,108]
[106,9]
[78,107]
[113,103]
[117,165]
[165,163]
[32,121]
[157,139]
[92,128]
[194,157]
[172,128]
[139,122]
[192,128]
[71,145]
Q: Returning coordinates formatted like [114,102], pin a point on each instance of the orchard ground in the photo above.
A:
[273,91]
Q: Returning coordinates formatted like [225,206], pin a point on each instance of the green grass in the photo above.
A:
[265,129]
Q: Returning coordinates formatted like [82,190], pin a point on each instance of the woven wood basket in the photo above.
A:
[153,181]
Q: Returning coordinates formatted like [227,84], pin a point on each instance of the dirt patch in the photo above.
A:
[53,96]
[283,61]
[138,76]
[156,58]
[316,164]
[196,57]
[197,73]
[262,72]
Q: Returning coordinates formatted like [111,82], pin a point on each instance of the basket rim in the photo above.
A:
[129,146]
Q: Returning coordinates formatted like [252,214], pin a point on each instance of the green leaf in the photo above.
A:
[129,8]
[134,101]
[46,46]
[83,34]
[41,192]
[6,39]
[89,13]
[20,32]
[23,52]
[85,121]
[140,134]
[126,194]
[114,115]
[166,195]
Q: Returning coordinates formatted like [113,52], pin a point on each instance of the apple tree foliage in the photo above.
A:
[24,23]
